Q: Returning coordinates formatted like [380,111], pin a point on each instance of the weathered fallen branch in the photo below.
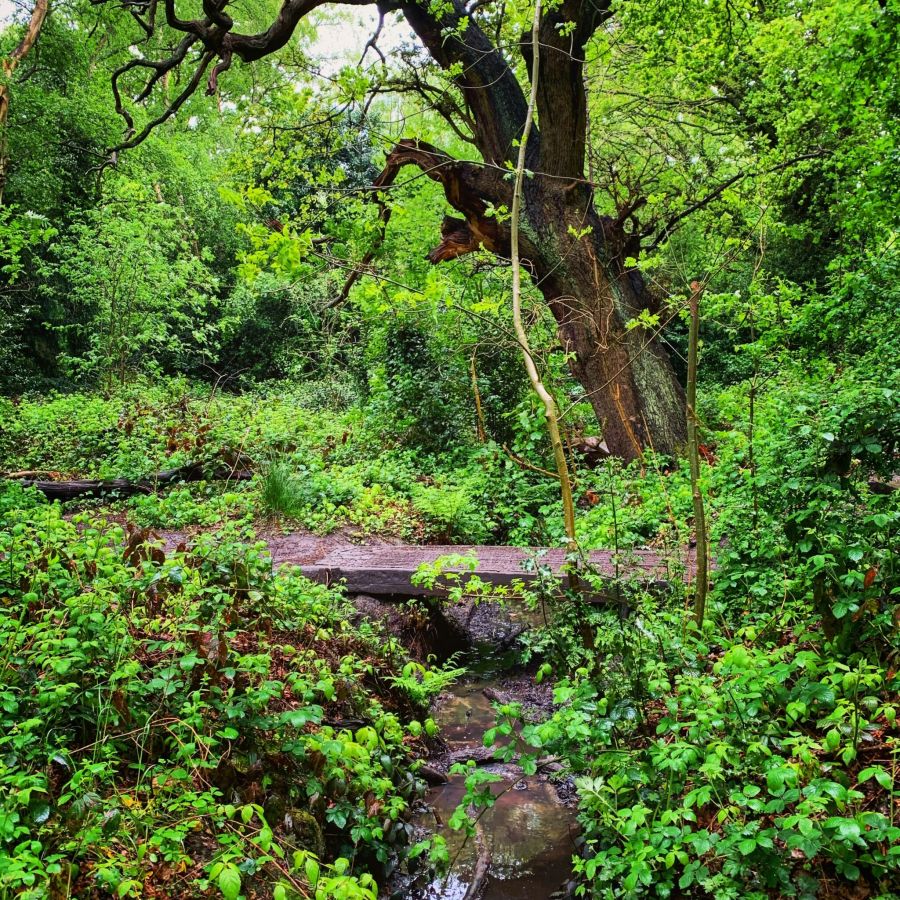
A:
[71,490]
[482,863]
[884,488]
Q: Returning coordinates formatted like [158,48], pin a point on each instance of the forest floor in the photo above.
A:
[256,692]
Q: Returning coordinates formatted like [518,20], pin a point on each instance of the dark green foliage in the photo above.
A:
[419,395]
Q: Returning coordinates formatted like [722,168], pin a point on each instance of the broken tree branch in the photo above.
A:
[71,490]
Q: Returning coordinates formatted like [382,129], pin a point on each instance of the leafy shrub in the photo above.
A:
[171,723]
[762,764]
[418,390]
[199,504]
[305,491]
[633,506]
[808,525]
[14,497]
[136,290]
[131,434]
[452,512]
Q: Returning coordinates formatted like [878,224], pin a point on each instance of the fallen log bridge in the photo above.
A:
[122,487]
[388,570]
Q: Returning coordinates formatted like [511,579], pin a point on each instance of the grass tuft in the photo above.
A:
[281,490]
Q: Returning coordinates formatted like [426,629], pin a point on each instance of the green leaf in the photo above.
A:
[229,882]
[775,779]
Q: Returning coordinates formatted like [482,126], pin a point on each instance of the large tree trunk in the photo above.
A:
[626,375]
[577,260]
[625,372]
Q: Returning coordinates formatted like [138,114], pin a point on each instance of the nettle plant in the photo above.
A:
[813,519]
[189,722]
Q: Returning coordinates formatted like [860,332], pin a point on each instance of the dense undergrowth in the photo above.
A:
[175,721]
[758,757]
[326,468]
[756,763]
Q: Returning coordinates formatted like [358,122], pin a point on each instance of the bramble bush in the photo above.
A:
[754,764]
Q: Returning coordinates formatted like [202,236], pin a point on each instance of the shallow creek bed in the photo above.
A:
[524,843]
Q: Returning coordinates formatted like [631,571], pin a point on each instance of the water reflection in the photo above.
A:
[528,833]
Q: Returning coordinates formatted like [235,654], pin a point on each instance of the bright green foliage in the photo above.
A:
[182,718]
[751,763]
[166,714]
[138,286]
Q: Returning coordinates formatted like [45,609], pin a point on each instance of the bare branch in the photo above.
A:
[171,109]
[372,42]
[223,65]
[159,69]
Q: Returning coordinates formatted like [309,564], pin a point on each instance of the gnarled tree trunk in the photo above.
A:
[583,276]
[625,373]
[576,258]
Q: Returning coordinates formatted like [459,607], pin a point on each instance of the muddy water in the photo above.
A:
[527,835]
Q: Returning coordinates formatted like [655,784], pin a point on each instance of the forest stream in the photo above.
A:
[524,843]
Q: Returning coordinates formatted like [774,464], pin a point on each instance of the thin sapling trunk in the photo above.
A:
[550,408]
[700,584]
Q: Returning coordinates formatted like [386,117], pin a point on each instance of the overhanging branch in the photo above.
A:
[468,188]
[668,228]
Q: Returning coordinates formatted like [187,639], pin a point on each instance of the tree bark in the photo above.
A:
[626,375]
[576,258]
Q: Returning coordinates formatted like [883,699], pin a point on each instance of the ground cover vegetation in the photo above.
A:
[245,284]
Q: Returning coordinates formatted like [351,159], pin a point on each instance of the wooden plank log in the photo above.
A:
[387,570]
